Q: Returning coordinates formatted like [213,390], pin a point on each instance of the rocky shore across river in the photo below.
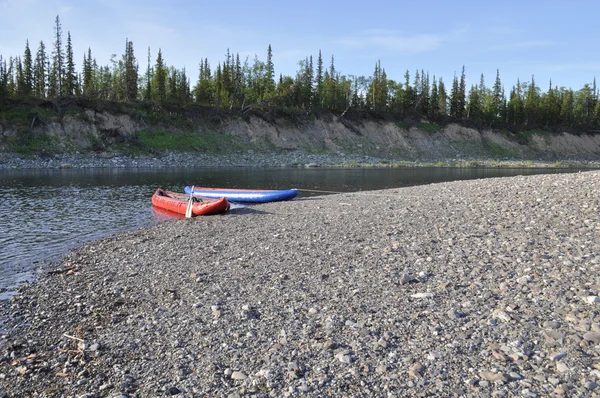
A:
[11,161]
[471,288]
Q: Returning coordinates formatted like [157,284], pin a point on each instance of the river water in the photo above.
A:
[46,213]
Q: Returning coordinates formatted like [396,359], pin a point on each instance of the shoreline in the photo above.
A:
[301,159]
[481,287]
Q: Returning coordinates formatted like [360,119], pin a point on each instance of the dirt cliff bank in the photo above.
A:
[44,127]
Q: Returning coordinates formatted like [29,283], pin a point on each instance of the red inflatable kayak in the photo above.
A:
[178,203]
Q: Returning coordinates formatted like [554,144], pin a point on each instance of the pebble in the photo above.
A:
[422,295]
[592,299]
[238,376]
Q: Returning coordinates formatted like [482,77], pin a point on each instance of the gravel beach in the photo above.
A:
[471,288]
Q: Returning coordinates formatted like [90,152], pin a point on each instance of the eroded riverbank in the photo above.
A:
[473,287]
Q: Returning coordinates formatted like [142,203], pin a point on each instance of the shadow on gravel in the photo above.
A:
[247,210]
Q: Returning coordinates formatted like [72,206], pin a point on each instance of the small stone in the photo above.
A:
[552,324]
[592,299]
[500,356]
[329,345]
[422,295]
[453,314]
[515,376]
[344,356]
[556,356]
[554,381]
[473,381]
[592,336]
[406,278]
[303,387]
[293,366]
[590,385]
[415,370]
[382,343]
[562,367]
[238,376]
[493,376]
[502,315]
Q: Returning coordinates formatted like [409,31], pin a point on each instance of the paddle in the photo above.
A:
[188,210]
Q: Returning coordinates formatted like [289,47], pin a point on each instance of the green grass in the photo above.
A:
[429,127]
[26,143]
[162,140]
[402,125]
[164,118]
[24,115]
[524,137]
[184,141]
[19,115]
[499,151]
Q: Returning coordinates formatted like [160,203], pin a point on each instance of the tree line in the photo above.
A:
[240,85]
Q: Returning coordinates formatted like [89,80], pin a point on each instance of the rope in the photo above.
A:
[319,191]
[365,193]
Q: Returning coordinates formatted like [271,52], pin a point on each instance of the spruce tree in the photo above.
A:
[131,73]
[39,72]
[319,81]
[474,105]
[434,100]
[455,102]
[269,74]
[57,71]
[149,76]
[160,78]
[3,78]
[27,71]
[497,97]
[88,74]
[409,100]
[532,103]
[462,94]
[19,90]
[567,106]
[70,80]
[442,99]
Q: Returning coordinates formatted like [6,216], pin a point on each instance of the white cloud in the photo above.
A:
[396,42]
[518,45]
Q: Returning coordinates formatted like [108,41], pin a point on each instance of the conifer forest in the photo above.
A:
[235,84]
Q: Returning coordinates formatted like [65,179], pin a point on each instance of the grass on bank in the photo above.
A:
[27,143]
[185,141]
[429,127]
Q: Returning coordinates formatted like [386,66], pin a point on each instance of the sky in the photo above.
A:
[543,39]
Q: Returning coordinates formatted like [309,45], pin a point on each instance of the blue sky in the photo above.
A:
[548,39]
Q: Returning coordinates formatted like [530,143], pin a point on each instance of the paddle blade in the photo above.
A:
[188,210]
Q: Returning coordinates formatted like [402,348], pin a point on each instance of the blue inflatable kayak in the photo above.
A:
[244,195]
